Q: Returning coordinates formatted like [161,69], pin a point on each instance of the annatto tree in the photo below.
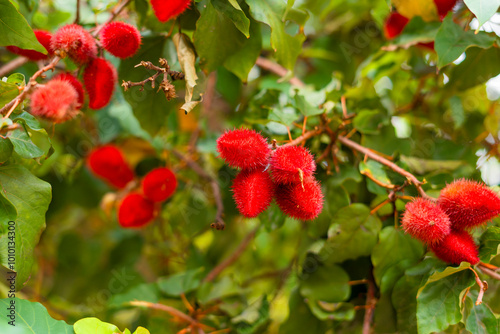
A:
[249,166]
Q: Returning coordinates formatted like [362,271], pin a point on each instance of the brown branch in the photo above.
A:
[219,222]
[77,17]
[32,82]
[113,15]
[231,259]
[370,306]
[306,136]
[483,286]
[278,69]
[12,65]
[488,271]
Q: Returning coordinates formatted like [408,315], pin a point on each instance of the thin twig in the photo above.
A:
[278,69]
[489,272]
[370,306]
[219,222]
[77,18]
[231,259]
[32,82]
[12,65]
[483,286]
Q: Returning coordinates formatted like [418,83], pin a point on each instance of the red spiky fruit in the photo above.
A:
[75,42]
[56,101]
[99,78]
[135,211]
[444,6]
[165,10]
[302,201]
[394,25]
[252,192]
[425,221]
[456,247]
[120,39]
[291,164]
[159,184]
[77,85]
[243,148]
[108,163]
[44,37]
[468,203]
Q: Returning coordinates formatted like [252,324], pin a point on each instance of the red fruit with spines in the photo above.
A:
[135,211]
[291,164]
[444,6]
[253,192]
[425,221]
[456,247]
[159,184]
[44,38]
[300,201]
[99,78]
[468,203]
[108,163]
[165,10]
[243,148]
[75,42]
[56,101]
[394,25]
[77,85]
[120,39]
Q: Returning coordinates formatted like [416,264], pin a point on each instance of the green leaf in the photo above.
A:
[285,116]
[424,166]
[353,233]
[8,91]
[8,213]
[384,256]
[15,30]
[24,146]
[481,320]
[479,66]
[445,273]
[306,108]
[286,47]
[452,40]
[254,319]
[233,11]
[326,283]
[180,283]
[439,303]
[331,311]
[30,317]
[483,9]
[300,319]
[416,31]
[369,121]
[6,149]
[94,326]
[490,243]
[31,197]
[17,78]
[146,292]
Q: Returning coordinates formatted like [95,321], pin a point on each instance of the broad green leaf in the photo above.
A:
[369,121]
[353,233]
[254,318]
[17,78]
[328,283]
[28,120]
[331,311]
[439,303]
[445,273]
[141,330]
[94,326]
[286,47]
[300,319]
[30,317]
[452,40]
[483,9]
[180,283]
[233,11]
[146,292]
[15,30]
[306,108]
[187,60]
[23,145]
[481,320]
[384,256]
[285,116]
[424,166]
[31,197]
[6,149]
[490,243]
[479,66]
[8,91]
[8,213]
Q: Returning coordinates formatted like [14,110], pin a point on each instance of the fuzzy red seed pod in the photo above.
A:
[444,6]
[394,25]
[44,37]
[77,85]
[56,101]
[120,39]
[135,211]
[291,164]
[108,163]
[165,10]
[75,42]
[425,221]
[300,201]
[243,148]
[99,78]
[456,247]
[252,192]
[468,203]
[159,184]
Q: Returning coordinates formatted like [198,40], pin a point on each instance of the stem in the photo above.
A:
[488,272]
[231,259]
[370,306]
[12,65]
[483,286]
[278,69]
[32,82]
[77,18]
